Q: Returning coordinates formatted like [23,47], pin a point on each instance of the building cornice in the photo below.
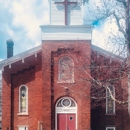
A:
[63,32]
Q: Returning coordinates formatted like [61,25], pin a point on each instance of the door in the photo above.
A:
[66,121]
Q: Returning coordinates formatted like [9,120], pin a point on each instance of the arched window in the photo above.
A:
[66,70]
[110,103]
[23,99]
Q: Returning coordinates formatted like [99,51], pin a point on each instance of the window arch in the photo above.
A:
[23,99]
[66,70]
[110,103]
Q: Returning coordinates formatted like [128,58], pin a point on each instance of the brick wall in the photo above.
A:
[79,52]
[40,76]
[28,73]
[108,69]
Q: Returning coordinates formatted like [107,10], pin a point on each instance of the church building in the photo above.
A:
[48,87]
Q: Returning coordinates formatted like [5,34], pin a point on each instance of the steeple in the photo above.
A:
[66,22]
[66,12]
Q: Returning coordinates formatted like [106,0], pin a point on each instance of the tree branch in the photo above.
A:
[123,2]
[118,24]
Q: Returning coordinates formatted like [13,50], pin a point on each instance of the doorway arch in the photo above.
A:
[66,114]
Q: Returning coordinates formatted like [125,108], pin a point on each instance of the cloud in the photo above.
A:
[20,21]
[104,27]
[1,59]
[101,32]
[26,14]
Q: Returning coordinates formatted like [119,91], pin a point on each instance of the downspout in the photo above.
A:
[12,103]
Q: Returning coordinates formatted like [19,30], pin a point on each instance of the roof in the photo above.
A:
[37,49]
[106,53]
[19,57]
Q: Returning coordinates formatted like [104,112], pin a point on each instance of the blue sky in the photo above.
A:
[20,21]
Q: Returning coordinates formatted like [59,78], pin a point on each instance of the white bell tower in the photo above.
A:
[66,21]
[66,12]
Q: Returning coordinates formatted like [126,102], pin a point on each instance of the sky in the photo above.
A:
[20,21]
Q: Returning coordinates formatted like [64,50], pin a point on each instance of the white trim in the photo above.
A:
[9,65]
[22,60]
[23,113]
[110,128]
[66,36]
[35,55]
[61,32]
[69,110]
[113,100]
[40,125]
[22,126]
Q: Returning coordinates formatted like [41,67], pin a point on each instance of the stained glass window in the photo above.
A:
[66,102]
[66,70]
[23,99]
[110,103]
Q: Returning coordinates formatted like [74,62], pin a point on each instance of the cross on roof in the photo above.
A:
[66,3]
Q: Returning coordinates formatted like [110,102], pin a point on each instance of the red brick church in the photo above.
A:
[49,87]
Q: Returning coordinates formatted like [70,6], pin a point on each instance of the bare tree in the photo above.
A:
[114,11]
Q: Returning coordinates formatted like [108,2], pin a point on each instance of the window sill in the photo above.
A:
[112,114]
[22,114]
[66,82]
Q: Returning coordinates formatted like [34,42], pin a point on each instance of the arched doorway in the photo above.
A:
[66,114]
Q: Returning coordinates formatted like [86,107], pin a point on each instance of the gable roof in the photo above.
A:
[37,49]
[106,53]
[20,56]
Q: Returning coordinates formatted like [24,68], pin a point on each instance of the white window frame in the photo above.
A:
[64,110]
[40,125]
[59,79]
[110,128]
[23,127]
[23,113]
[113,100]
